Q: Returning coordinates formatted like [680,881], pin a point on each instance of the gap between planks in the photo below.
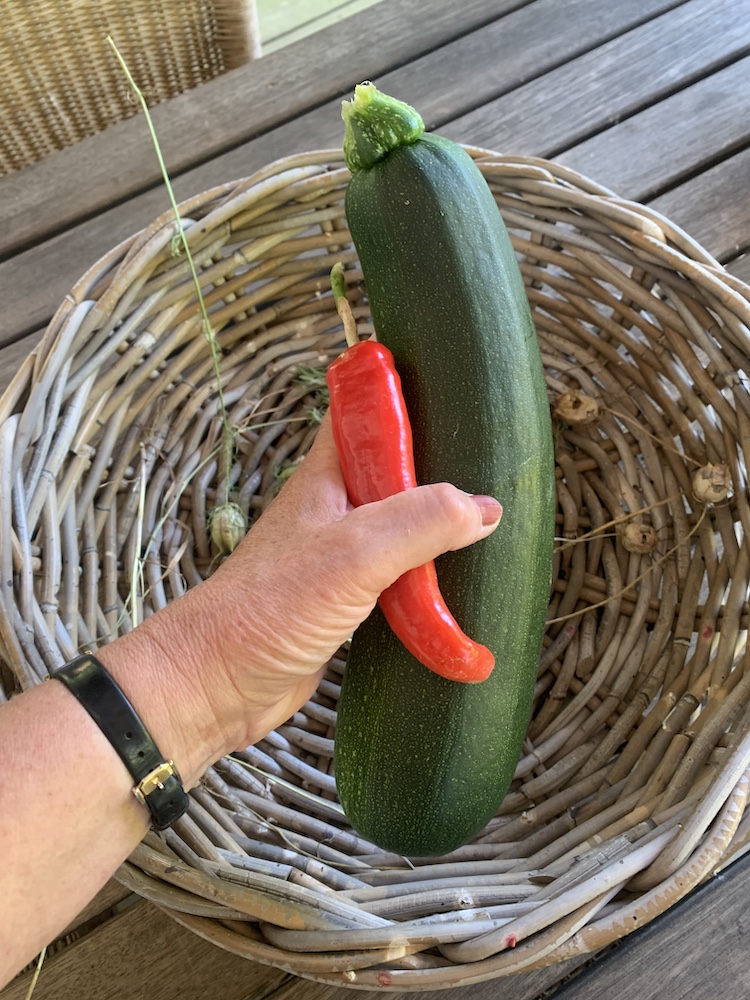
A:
[141,953]
[32,284]
[74,184]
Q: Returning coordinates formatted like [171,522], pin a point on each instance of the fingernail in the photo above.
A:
[489,508]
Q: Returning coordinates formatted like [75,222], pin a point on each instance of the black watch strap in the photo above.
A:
[157,783]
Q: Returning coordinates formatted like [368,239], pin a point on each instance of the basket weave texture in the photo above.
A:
[60,80]
[633,780]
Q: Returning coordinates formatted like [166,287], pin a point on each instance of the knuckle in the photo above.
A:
[454,509]
[352,542]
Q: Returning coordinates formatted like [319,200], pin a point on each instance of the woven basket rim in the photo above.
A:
[639,749]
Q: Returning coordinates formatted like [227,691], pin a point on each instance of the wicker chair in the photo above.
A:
[60,80]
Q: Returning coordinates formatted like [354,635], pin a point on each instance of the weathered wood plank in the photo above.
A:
[33,283]
[714,206]
[76,183]
[696,951]
[112,894]
[740,268]
[523,986]
[512,52]
[612,82]
[482,64]
[673,140]
[108,168]
[144,953]
[12,355]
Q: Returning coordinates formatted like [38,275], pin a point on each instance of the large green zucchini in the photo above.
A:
[422,763]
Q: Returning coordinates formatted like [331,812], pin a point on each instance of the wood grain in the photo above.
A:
[509,54]
[144,953]
[740,268]
[523,986]
[714,207]
[109,896]
[75,183]
[695,952]
[611,83]
[34,282]
[679,137]
[13,354]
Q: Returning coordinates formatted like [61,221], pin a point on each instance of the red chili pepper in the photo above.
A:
[374,444]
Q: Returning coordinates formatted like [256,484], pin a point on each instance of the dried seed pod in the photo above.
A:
[576,409]
[227,527]
[640,538]
[286,469]
[712,483]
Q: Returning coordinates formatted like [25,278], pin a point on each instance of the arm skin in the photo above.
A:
[214,671]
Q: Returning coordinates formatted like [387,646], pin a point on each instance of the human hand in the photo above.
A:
[261,629]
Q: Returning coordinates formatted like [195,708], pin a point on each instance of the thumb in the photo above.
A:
[411,528]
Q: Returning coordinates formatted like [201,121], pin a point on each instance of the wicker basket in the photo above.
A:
[76,87]
[634,775]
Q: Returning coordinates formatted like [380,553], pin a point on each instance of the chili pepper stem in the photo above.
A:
[343,308]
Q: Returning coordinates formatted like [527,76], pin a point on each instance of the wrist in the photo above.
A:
[166,669]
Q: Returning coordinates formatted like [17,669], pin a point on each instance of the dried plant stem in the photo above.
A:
[227,430]
[274,779]
[637,579]
[37,970]
[136,581]
[629,418]
[597,532]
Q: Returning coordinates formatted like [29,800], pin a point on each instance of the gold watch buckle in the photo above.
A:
[155,779]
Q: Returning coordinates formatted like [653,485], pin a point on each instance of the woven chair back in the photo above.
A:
[60,80]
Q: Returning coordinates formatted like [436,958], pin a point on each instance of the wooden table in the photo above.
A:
[649,97]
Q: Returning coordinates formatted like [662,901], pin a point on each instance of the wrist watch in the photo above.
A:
[157,784]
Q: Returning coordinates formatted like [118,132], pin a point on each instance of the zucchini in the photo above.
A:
[422,763]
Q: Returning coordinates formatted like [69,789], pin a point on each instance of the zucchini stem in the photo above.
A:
[376,124]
